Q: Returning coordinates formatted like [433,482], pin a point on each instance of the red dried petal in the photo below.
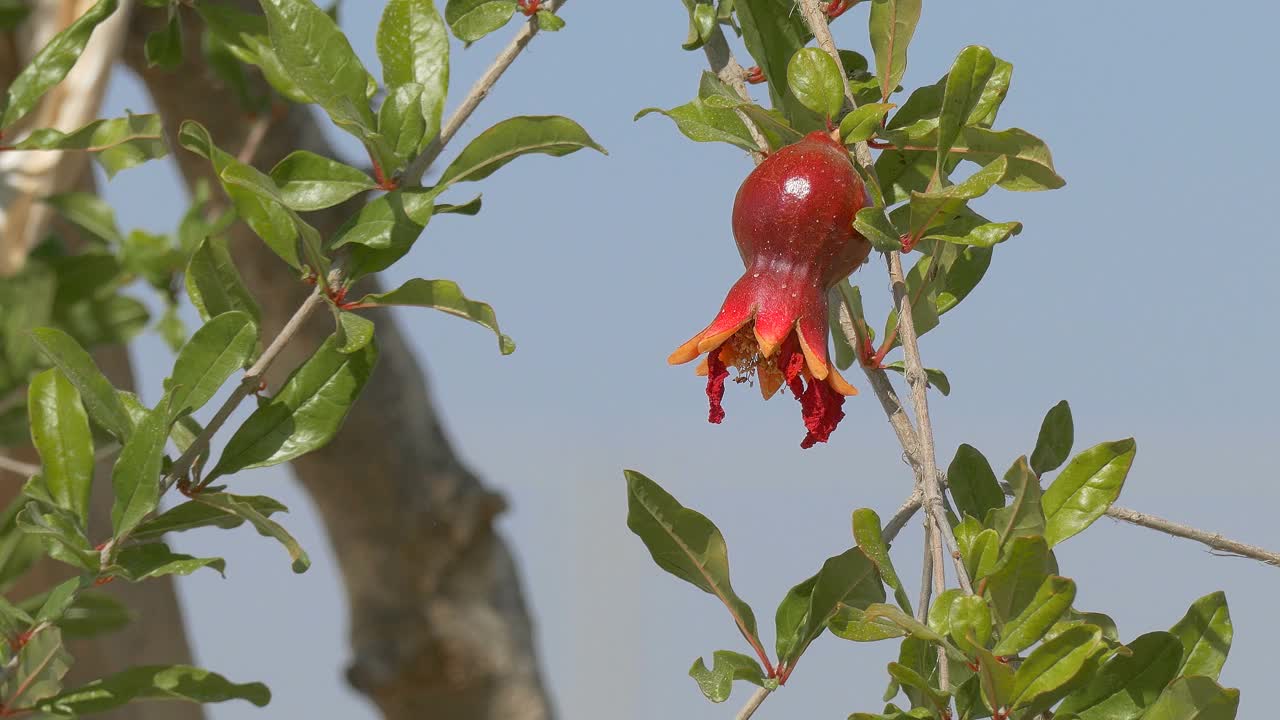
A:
[716,374]
[821,406]
[791,364]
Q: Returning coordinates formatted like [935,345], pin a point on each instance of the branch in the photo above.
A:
[18,467]
[252,378]
[723,64]
[900,518]
[753,703]
[479,91]
[1213,540]
[818,24]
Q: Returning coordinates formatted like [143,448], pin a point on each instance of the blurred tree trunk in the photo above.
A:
[439,629]
[156,635]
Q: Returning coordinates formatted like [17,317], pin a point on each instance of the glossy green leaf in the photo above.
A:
[89,613]
[52,63]
[980,547]
[308,248]
[219,348]
[964,231]
[1054,665]
[96,392]
[939,615]
[814,78]
[135,478]
[57,601]
[1205,633]
[60,535]
[1053,445]
[443,295]
[964,86]
[413,47]
[936,379]
[686,544]
[305,414]
[995,679]
[248,509]
[876,227]
[1051,601]
[862,123]
[702,20]
[1029,163]
[470,207]
[149,560]
[543,134]
[354,331]
[163,47]
[549,21]
[214,284]
[1015,583]
[308,181]
[1023,516]
[906,622]
[191,515]
[471,20]
[701,121]
[852,624]
[892,23]
[789,617]
[319,59]
[973,483]
[60,432]
[154,682]
[969,621]
[773,31]
[1125,685]
[1195,698]
[37,671]
[726,666]
[845,580]
[869,535]
[402,127]
[1085,489]
[388,222]
[118,143]
[934,208]
[908,677]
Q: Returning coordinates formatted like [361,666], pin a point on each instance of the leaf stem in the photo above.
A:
[753,703]
[479,91]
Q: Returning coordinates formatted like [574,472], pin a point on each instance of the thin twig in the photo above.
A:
[253,141]
[247,386]
[17,467]
[15,398]
[726,67]
[753,702]
[939,587]
[816,19]
[926,575]
[479,91]
[1213,540]
[904,514]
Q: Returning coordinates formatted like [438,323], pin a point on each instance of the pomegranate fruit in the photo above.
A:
[793,223]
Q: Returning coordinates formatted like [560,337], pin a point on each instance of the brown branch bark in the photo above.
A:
[439,628]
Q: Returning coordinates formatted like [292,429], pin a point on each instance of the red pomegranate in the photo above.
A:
[793,223]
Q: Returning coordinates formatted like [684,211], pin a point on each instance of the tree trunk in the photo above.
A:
[439,628]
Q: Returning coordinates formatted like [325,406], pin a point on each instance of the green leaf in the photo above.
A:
[981,548]
[545,134]
[1195,698]
[471,20]
[973,483]
[59,534]
[219,348]
[96,392]
[1126,685]
[892,24]
[773,31]
[1205,633]
[318,58]
[57,601]
[112,320]
[852,624]
[150,560]
[995,679]
[1016,582]
[845,580]
[192,515]
[260,184]
[93,613]
[936,378]
[306,413]
[37,671]
[875,227]
[52,63]
[789,618]
[1054,665]
[354,331]
[862,123]
[931,209]
[969,621]
[118,143]
[136,474]
[445,296]
[60,432]
[90,213]
[968,229]
[382,231]
[163,47]
[1085,489]
[701,121]
[727,666]
[549,21]
[154,682]
[1051,601]
[1024,516]
[686,544]
[470,207]
[413,47]
[247,509]
[869,535]
[1053,445]
[917,629]
[214,284]
[401,125]
[308,181]
[1030,164]
[702,20]
[814,78]
[908,677]
[964,86]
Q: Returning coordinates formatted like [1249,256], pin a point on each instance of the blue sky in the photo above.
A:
[1140,292]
